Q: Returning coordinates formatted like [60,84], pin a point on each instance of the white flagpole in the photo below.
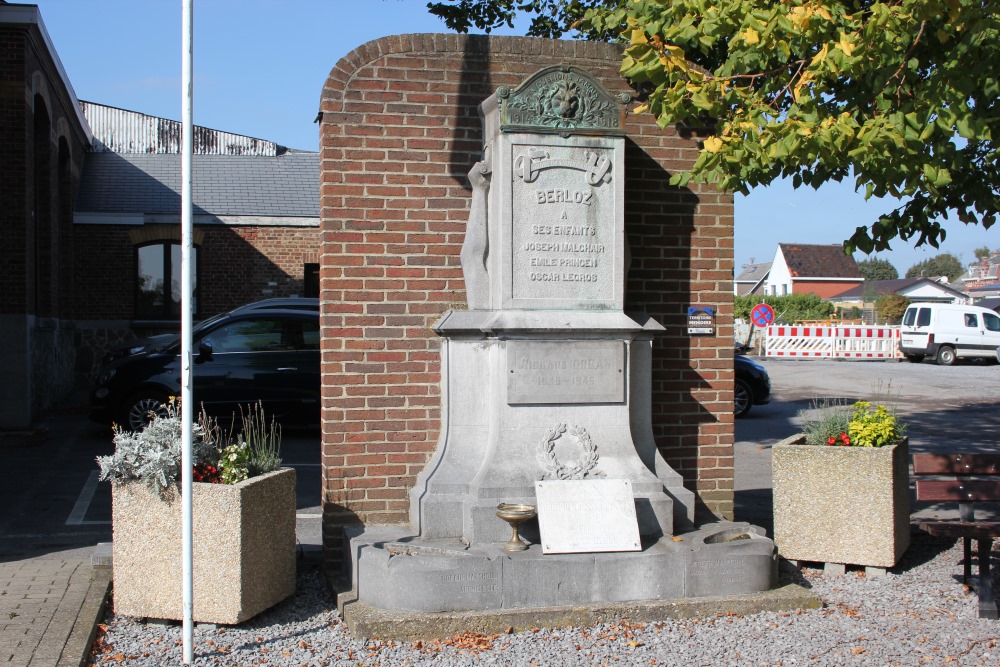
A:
[187,398]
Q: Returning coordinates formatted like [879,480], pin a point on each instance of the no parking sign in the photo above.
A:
[762,315]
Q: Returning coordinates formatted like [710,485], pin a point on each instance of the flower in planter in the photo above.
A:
[153,455]
[874,426]
[861,424]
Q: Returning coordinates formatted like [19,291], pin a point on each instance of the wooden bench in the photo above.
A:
[974,478]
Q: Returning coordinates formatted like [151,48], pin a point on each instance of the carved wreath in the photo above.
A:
[554,469]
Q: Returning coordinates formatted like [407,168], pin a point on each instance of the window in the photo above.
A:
[158,281]
[264,335]
[784,290]
[991,322]
[924,317]
[971,320]
[310,281]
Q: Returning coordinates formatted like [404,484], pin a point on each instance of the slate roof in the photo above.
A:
[818,261]
[753,272]
[283,186]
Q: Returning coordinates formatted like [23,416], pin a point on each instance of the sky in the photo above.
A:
[259,69]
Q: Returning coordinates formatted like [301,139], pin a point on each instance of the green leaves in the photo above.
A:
[903,95]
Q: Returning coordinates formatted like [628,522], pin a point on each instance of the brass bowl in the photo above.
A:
[515,514]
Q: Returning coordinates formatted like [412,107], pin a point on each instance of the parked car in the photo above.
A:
[949,332]
[267,351]
[753,385]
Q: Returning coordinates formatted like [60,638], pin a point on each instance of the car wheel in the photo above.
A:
[742,398]
[139,410]
[914,358]
[946,356]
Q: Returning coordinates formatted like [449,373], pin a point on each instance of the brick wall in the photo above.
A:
[399,132]
[41,151]
[14,169]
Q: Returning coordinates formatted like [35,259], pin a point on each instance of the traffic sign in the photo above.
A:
[762,315]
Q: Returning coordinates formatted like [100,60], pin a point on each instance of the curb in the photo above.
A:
[81,637]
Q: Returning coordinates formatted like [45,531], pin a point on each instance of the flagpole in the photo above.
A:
[187,400]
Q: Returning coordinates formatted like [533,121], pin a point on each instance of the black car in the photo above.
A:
[267,351]
[753,386]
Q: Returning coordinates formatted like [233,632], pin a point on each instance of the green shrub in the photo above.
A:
[790,308]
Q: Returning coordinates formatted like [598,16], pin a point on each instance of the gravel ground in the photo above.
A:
[917,614]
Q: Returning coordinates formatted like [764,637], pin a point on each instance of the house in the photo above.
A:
[823,270]
[985,293]
[914,289]
[751,279]
[981,273]
[90,217]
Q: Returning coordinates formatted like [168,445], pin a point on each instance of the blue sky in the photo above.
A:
[260,68]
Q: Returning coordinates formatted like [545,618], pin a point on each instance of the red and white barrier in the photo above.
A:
[845,342]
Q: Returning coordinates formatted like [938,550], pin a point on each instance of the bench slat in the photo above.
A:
[975,529]
[956,490]
[956,464]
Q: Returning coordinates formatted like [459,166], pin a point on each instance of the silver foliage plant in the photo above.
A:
[153,455]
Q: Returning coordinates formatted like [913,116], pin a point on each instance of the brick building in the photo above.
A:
[43,137]
[90,216]
[399,132]
[256,226]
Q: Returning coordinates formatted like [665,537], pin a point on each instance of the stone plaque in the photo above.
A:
[564,243]
[574,371]
[579,516]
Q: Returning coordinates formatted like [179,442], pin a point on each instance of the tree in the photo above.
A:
[549,18]
[890,307]
[877,269]
[944,264]
[983,253]
[902,96]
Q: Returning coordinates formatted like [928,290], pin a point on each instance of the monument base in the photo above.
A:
[392,572]
[367,622]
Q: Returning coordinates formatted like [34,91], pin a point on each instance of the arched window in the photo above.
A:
[158,280]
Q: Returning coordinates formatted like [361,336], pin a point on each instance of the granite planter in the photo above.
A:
[244,548]
[846,505]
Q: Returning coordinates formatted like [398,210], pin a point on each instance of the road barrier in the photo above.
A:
[830,342]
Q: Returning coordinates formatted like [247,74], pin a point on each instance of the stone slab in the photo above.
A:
[567,371]
[366,622]
[561,221]
[579,516]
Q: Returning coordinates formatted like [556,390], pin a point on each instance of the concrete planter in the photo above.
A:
[244,549]
[841,504]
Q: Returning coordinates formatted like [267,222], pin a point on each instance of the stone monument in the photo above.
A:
[545,377]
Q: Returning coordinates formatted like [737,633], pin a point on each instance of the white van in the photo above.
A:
[948,332]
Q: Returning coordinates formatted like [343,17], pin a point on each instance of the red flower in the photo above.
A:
[844,439]
[831,440]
